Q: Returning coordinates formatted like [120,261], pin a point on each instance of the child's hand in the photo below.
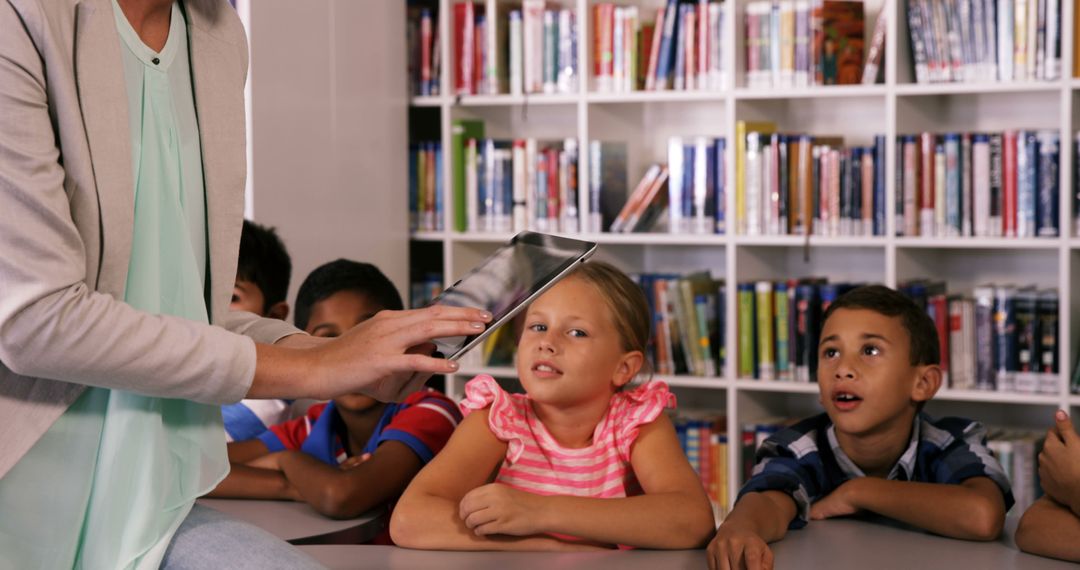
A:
[735,548]
[498,509]
[1059,462]
[841,502]
[354,461]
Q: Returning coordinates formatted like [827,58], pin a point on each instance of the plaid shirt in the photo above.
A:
[806,461]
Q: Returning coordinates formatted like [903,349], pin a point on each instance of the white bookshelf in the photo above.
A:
[644,120]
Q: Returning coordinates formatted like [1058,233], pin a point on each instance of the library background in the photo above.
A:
[748,161]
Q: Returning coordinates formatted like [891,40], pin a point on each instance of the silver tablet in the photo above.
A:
[508,280]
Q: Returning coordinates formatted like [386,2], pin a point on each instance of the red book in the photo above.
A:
[941,322]
[603,20]
[553,185]
[688,27]
[1008,174]
[425,52]
[464,46]
[654,51]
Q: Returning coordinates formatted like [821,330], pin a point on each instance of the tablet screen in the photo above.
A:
[509,279]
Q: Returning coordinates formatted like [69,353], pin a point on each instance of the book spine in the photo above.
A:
[1047,218]
[966,181]
[953,186]
[516,62]
[1009,175]
[985,377]
[980,172]
[1047,328]
[720,185]
[747,337]
[765,340]
[675,184]
[926,193]
[940,200]
[1027,348]
[1005,361]
[1005,39]
[783,334]
[997,184]
[1027,160]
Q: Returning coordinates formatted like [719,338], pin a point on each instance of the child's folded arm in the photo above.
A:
[428,514]
[345,493]
[673,513]
[973,509]
[1049,528]
[245,482]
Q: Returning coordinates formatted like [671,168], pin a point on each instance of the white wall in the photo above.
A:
[329,131]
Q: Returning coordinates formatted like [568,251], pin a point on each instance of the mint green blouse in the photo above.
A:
[110,482]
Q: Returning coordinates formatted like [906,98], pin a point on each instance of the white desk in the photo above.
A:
[298,523]
[832,544]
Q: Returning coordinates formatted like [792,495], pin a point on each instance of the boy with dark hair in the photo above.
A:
[353,453]
[872,450]
[263,271]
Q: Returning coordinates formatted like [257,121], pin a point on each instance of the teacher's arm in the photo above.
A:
[54,326]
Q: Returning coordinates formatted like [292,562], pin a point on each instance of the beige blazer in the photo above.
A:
[66,207]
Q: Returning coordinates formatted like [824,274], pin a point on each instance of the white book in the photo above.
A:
[618,50]
[516,62]
[595,218]
[990,44]
[533,45]
[980,175]
[675,185]
[1053,38]
[566,79]
[702,224]
[717,81]
[767,189]
[752,183]
[1032,39]
[530,184]
[520,212]
[802,43]
[489,196]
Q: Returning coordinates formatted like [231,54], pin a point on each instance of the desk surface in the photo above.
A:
[833,544]
[298,523]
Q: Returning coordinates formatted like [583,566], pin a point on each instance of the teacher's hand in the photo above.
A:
[388,356]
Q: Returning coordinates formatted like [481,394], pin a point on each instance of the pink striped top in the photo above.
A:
[536,463]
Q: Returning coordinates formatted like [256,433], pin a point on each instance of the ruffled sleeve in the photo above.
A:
[634,408]
[504,419]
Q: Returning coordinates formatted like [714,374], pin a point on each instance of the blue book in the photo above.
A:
[1005,357]
[720,182]
[1047,221]
[688,185]
[807,331]
[1027,175]
[953,182]
[879,184]
[667,44]
[438,187]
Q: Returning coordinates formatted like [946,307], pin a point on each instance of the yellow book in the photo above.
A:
[741,128]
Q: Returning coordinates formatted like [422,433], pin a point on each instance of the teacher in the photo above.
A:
[122,171]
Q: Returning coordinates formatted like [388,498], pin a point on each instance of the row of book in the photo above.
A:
[805,184]
[778,327]
[978,184]
[422,40]
[682,49]
[688,323]
[689,187]
[425,186]
[703,437]
[500,49]
[998,338]
[797,43]
[985,40]
[424,288]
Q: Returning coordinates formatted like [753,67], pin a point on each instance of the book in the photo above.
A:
[462,130]
[742,130]
[842,44]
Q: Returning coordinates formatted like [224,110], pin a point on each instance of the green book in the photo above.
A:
[764,308]
[462,130]
[783,334]
[746,321]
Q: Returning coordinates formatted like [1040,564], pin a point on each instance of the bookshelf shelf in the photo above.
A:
[815,241]
[970,88]
[819,92]
[997,397]
[656,97]
[428,236]
[515,100]
[751,385]
[978,243]
[426,101]
[645,120]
